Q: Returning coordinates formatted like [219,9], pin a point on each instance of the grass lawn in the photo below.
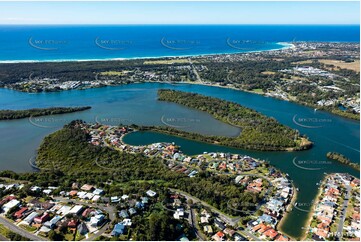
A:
[27,228]
[258,90]
[354,66]
[3,230]
[79,237]
[69,237]
[333,228]
[167,62]
[112,73]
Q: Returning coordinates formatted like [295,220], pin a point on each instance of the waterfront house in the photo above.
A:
[270,233]
[282,237]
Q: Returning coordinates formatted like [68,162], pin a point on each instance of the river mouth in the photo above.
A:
[137,103]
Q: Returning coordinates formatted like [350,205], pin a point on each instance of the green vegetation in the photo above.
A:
[7,233]
[258,131]
[342,159]
[18,114]
[66,156]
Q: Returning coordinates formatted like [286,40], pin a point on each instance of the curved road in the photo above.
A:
[16,229]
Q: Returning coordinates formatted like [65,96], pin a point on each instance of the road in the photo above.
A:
[18,230]
[192,222]
[195,71]
[226,218]
[343,213]
[2,238]
[109,209]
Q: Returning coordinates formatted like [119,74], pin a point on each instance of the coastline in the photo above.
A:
[286,213]
[283,46]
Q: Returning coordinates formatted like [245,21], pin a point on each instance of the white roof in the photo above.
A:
[98,191]
[9,205]
[44,229]
[30,217]
[151,193]
[89,196]
[47,191]
[76,209]
[81,194]
[64,210]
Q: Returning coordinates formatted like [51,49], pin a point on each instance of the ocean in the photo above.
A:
[102,42]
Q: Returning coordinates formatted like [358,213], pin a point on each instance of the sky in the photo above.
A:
[179,12]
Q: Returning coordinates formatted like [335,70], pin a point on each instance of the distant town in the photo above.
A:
[323,75]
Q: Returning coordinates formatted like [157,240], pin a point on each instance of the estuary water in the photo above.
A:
[137,103]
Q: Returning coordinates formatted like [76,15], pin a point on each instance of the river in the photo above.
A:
[137,103]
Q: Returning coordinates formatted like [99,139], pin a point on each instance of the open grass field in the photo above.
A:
[167,62]
[304,62]
[268,72]
[112,73]
[355,66]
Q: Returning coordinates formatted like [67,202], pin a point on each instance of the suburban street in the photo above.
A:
[109,209]
[226,218]
[18,230]
[193,223]
[343,213]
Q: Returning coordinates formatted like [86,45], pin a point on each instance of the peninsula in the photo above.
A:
[35,112]
[258,132]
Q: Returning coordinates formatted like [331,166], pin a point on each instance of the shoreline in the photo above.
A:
[197,83]
[287,212]
[283,46]
[317,198]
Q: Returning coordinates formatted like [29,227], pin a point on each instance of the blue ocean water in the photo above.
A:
[76,42]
